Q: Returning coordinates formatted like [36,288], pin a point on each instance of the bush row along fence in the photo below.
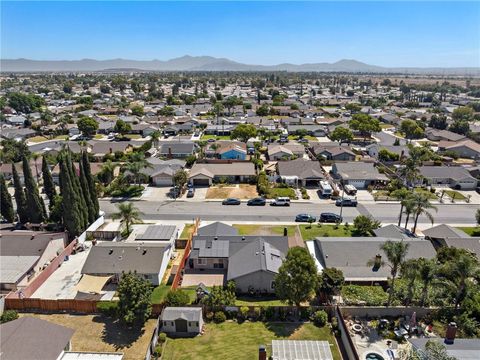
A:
[188,247]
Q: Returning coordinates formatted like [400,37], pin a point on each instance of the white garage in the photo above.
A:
[162,178]
[359,184]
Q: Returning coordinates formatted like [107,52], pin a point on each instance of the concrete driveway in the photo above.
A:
[206,279]
[154,193]
[200,194]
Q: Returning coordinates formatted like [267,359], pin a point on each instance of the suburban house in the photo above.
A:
[161,172]
[101,148]
[24,254]
[227,150]
[374,149]
[456,177]
[181,321]
[114,258]
[161,234]
[219,130]
[30,338]
[251,261]
[394,231]
[459,349]
[359,174]
[312,130]
[464,148]
[207,174]
[176,149]
[442,135]
[286,151]
[17,134]
[351,255]
[333,152]
[6,170]
[443,231]
[300,172]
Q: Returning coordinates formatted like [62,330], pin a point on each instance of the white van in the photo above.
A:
[281,201]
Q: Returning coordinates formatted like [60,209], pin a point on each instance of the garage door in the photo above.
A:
[163,181]
[201,182]
[359,184]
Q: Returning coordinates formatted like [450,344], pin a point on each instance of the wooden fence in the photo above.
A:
[52,306]
[188,247]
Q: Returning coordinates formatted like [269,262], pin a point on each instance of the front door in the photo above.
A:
[181,325]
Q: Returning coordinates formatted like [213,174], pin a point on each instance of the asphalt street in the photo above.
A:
[214,211]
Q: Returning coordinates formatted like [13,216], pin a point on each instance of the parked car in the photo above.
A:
[346,202]
[305,218]
[211,140]
[190,192]
[259,201]
[280,201]
[231,201]
[330,217]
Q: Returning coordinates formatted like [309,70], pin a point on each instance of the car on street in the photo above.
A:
[330,218]
[190,192]
[305,218]
[259,201]
[231,201]
[346,202]
[280,201]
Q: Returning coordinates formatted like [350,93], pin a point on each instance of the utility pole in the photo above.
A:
[343,194]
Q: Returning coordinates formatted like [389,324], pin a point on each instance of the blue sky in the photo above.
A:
[380,33]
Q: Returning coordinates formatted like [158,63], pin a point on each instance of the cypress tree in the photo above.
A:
[35,206]
[71,215]
[78,193]
[6,205]
[86,194]
[19,197]
[48,184]
[91,183]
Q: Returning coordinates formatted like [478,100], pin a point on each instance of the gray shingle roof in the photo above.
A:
[443,231]
[233,169]
[186,313]
[461,349]
[393,231]
[357,170]
[29,338]
[217,229]
[447,172]
[304,169]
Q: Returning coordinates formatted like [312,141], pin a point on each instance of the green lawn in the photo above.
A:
[161,291]
[386,126]
[472,231]
[255,301]
[37,139]
[455,195]
[231,340]
[324,231]
[281,192]
[430,195]
[308,137]
[215,137]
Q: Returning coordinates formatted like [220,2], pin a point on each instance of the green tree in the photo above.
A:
[410,271]
[365,125]
[341,135]
[263,110]
[25,103]
[243,132]
[135,166]
[395,251]
[34,203]
[6,204]
[421,204]
[401,195]
[463,113]
[387,155]
[87,126]
[122,127]
[353,107]
[135,304]
[128,214]
[438,122]
[177,297]
[411,129]
[92,190]
[460,271]
[48,184]
[461,127]
[137,110]
[20,198]
[221,296]
[107,172]
[477,217]
[86,195]
[297,277]
[427,273]
[364,225]
[331,281]
[180,178]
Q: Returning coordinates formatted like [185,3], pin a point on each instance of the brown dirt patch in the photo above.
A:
[242,191]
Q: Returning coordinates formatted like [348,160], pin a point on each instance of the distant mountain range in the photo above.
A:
[208,63]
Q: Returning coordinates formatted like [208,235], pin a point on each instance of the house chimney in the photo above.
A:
[378,261]
[262,352]
[215,238]
[450,333]
[170,152]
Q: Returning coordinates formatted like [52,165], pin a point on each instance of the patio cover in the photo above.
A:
[92,283]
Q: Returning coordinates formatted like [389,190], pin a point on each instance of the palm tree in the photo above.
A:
[410,271]
[155,136]
[136,164]
[395,252]
[427,273]
[35,157]
[401,194]
[128,214]
[421,203]
[463,268]
[107,171]
[408,209]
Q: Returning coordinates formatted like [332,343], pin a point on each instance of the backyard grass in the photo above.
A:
[187,230]
[255,301]
[215,137]
[325,231]
[472,231]
[455,195]
[241,191]
[231,340]
[37,139]
[161,291]
[98,333]
[281,192]
[386,126]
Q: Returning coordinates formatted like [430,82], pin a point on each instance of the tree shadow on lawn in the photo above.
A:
[283,329]
[117,334]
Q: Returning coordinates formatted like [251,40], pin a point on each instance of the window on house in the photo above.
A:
[202,261]
[218,265]
[272,285]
